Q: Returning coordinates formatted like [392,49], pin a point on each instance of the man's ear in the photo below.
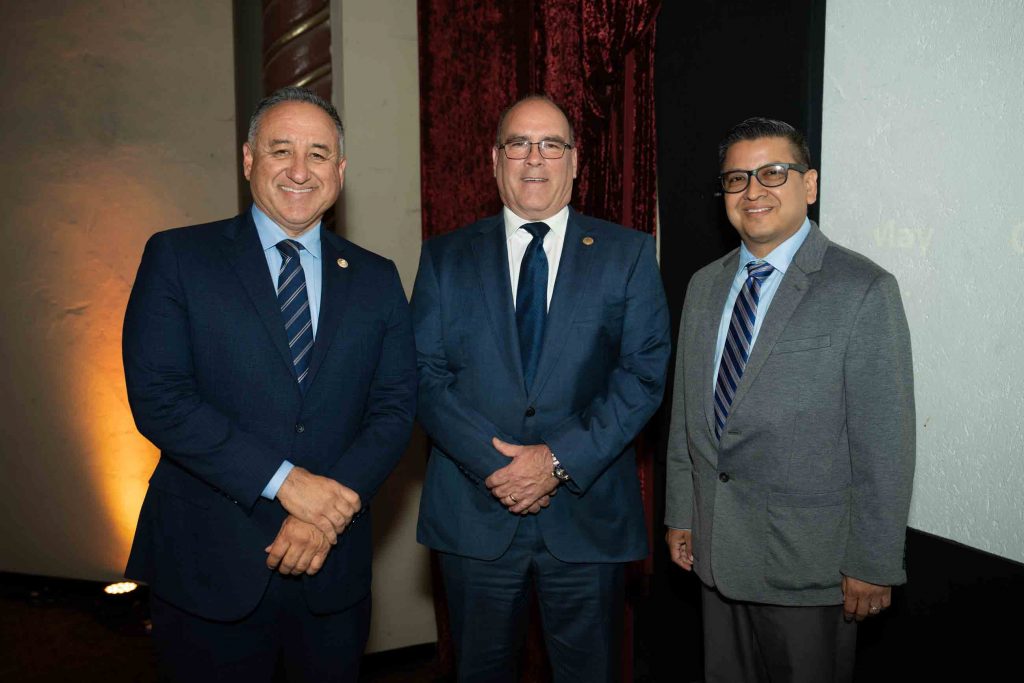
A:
[246,160]
[341,172]
[811,186]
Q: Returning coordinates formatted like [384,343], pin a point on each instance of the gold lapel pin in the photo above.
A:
[588,241]
[342,263]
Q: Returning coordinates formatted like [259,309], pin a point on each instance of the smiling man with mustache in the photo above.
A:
[543,338]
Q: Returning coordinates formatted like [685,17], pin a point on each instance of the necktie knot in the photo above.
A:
[289,248]
[759,270]
[536,229]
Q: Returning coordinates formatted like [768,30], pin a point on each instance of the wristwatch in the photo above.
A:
[557,471]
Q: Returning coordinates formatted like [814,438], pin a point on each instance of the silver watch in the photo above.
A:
[557,471]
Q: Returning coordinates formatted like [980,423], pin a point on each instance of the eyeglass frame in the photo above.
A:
[565,146]
[789,166]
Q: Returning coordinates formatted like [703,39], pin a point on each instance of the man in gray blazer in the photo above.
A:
[791,453]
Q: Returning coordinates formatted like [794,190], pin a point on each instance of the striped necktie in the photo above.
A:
[532,300]
[738,341]
[294,302]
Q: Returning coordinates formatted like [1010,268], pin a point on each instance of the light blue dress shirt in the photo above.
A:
[780,257]
[312,267]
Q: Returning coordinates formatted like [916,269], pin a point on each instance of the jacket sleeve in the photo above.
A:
[679,468]
[587,443]
[390,404]
[162,389]
[459,431]
[881,425]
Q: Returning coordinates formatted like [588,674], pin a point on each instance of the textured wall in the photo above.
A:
[117,121]
[377,87]
[922,141]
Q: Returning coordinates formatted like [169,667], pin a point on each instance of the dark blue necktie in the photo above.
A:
[294,302]
[532,300]
[737,341]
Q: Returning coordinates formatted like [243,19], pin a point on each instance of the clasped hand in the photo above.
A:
[320,501]
[299,548]
[319,510]
[526,484]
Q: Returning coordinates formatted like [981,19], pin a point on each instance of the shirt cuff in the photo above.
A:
[270,492]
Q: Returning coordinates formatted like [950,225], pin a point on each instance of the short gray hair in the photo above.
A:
[293,94]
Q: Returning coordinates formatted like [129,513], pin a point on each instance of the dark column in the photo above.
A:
[297,45]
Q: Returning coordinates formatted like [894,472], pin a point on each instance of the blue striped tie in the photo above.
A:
[294,302]
[532,300]
[737,341]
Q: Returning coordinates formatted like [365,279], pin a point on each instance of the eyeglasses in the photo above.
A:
[549,149]
[769,175]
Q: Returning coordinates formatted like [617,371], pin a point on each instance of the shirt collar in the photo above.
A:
[781,256]
[271,233]
[557,223]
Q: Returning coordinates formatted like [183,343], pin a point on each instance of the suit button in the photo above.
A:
[723,477]
[531,411]
[299,427]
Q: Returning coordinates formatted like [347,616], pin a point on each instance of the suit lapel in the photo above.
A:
[245,253]
[708,337]
[571,283]
[789,295]
[490,254]
[333,296]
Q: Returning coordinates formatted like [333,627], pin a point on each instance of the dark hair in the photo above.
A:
[533,98]
[293,94]
[757,127]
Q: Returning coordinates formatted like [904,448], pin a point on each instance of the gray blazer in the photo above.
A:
[812,478]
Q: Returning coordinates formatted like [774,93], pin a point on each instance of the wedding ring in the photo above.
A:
[513,498]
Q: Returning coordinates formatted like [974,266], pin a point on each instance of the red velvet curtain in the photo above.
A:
[593,57]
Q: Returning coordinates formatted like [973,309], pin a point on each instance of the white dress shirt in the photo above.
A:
[517,240]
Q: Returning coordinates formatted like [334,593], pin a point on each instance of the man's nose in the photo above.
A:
[754,188]
[534,157]
[298,170]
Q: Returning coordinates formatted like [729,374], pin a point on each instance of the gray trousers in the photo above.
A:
[746,642]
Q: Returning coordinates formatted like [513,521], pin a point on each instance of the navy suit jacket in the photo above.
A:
[211,384]
[600,378]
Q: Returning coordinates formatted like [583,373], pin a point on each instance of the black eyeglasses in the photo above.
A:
[520,149]
[769,175]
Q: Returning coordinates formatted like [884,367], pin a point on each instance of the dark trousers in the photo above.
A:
[581,607]
[311,647]
[746,642]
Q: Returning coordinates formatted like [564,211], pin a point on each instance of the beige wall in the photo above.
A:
[118,120]
[377,88]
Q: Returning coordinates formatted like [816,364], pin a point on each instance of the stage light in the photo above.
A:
[120,588]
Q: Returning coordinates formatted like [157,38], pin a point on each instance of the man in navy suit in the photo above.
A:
[272,362]
[542,338]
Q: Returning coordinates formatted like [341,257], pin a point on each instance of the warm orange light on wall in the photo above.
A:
[78,468]
[120,459]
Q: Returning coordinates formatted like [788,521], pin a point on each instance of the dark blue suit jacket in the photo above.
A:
[600,378]
[210,382]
